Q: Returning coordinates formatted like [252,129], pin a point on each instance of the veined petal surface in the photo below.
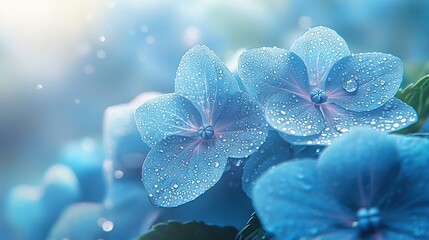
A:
[179,169]
[320,48]
[166,115]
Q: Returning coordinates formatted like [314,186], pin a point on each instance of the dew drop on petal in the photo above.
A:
[350,85]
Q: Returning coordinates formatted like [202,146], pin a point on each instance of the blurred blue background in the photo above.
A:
[62,63]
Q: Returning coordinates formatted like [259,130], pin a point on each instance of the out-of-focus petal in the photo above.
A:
[267,71]
[204,79]
[240,125]
[179,169]
[407,205]
[359,168]
[292,204]
[294,115]
[364,82]
[167,115]
[319,48]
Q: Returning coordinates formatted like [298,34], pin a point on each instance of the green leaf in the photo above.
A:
[253,231]
[173,230]
[417,96]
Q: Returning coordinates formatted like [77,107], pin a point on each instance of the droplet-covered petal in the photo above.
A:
[364,82]
[204,79]
[293,115]
[292,204]
[392,116]
[267,71]
[274,151]
[167,115]
[240,126]
[179,169]
[359,168]
[319,48]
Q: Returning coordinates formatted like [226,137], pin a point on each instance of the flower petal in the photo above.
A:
[274,151]
[293,115]
[204,79]
[319,48]
[179,169]
[359,168]
[267,71]
[240,125]
[168,114]
[408,210]
[291,203]
[364,82]
[392,116]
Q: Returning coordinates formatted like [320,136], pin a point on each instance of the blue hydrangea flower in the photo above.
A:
[193,131]
[318,90]
[366,185]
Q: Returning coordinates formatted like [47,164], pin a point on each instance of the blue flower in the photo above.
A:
[366,185]
[193,131]
[318,90]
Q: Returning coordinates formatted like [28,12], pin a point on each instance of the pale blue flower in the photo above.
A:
[318,90]
[193,131]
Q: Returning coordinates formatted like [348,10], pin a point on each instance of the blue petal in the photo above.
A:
[167,115]
[267,71]
[204,79]
[359,168]
[291,204]
[240,126]
[319,48]
[392,116]
[225,204]
[408,209]
[365,81]
[179,169]
[294,115]
[274,151]
[120,133]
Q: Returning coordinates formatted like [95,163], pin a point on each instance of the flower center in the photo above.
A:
[368,219]
[317,95]
[206,131]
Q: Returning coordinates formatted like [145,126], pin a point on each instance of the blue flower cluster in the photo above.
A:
[285,114]
[310,94]
[294,103]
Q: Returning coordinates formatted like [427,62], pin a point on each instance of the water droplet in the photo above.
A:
[39,87]
[216,164]
[350,85]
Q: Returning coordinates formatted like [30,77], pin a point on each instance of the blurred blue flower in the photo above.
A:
[124,214]
[193,132]
[366,185]
[318,90]
[32,210]
[85,158]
